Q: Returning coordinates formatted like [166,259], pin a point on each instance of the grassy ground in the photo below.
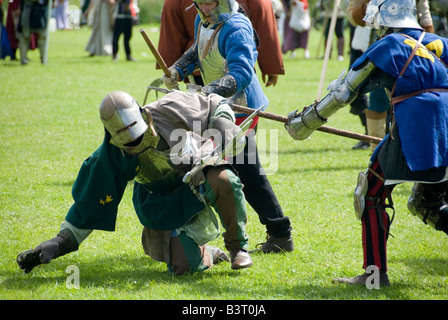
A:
[50,124]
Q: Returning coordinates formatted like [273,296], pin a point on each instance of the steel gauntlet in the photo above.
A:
[301,125]
[342,92]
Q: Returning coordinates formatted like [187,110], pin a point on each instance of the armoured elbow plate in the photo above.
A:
[224,86]
[342,92]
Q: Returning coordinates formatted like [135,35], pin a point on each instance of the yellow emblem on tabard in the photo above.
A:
[108,199]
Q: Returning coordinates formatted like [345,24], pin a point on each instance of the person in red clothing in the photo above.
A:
[12,20]
[177,35]
[177,32]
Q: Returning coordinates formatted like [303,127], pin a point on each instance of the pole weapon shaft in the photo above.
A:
[284,119]
[156,53]
[335,131]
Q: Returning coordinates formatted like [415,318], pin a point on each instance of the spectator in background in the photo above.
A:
[12,23]
[5,48]
[84,5]
[33,23]
[279,10]
[295,38]
[177,35]
[359,38]
[327,6]
[61,14]
[124,14]
[439,14]
[100,42]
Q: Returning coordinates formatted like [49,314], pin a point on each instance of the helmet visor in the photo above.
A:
[122,118]
[127,126]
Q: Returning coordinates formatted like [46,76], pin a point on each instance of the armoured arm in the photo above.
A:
[184,66]
[300,125]
[225,86]
[187,63]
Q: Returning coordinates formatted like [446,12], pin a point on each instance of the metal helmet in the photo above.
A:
[223,11]
[122,118]
[391,14]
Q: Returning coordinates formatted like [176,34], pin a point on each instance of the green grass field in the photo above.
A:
[50,124]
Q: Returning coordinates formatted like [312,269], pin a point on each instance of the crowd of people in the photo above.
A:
[28,24]
[294,19]
[397,62]
[113,18]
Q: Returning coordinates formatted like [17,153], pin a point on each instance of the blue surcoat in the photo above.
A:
[422,120]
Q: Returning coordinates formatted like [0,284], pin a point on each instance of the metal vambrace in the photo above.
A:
[418,207]
[225,86]
[187,63]
[342,92]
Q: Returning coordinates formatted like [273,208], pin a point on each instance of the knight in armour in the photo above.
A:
[412,66]
[182,182]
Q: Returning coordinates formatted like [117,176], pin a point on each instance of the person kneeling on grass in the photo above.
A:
[179,175]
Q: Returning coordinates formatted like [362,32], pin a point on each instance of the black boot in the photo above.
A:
[276,245]
[442,224]
[60,245]
[361,145]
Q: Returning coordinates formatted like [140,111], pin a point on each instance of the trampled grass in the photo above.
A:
[50,124]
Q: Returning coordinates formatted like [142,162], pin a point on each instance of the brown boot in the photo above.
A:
[364,278]
[240,259]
